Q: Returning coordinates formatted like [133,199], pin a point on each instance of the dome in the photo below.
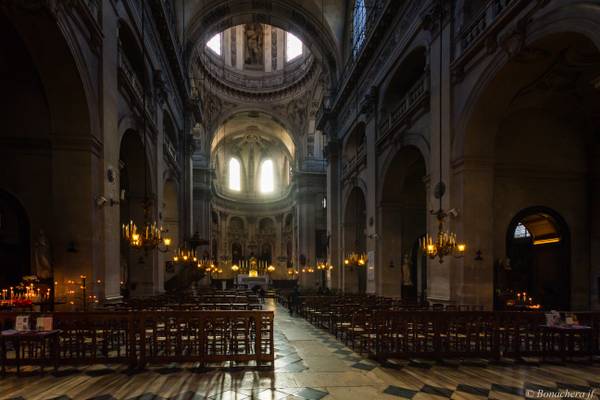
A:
[256,58]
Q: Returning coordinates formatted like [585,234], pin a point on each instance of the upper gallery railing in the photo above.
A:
[414,95]
[481,23]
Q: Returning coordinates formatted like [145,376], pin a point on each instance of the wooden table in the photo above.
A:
[567,336]
[42,348]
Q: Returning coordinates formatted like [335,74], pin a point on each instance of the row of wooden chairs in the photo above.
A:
[150,337]
[385,328]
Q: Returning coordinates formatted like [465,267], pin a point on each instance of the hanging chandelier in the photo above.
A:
[445,242]
[324,266]
[149,237]
[356,259]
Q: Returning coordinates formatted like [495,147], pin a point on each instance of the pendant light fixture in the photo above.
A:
[445,242]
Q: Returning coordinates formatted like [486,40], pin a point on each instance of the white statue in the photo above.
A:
[41,257]
[406,276]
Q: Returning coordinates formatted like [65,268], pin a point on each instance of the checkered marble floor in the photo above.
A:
[311,364]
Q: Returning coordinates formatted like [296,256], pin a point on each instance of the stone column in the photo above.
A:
[226,46]
[267,48]
[111,276]
[202,195]
[239,43]
[76,165]
[368,108]
[159,173]
[472,281]
[334,207]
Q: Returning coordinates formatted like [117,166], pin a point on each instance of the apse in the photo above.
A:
[251,156]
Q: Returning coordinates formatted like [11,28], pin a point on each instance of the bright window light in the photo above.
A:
[521,232]
[293,47]
[267,180]
[235,175]
[215,43]
[359,24]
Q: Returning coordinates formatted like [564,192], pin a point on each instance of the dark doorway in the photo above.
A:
[538,260]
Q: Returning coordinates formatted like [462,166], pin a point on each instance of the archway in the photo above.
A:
[170,218]
[403,222]
[40,126]
[15,250]
[534,122]
[538,260]
[355,277]
[137,266]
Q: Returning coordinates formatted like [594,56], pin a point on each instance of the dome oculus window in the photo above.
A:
[215,44]
[235,175]
[293,47]
[267,178]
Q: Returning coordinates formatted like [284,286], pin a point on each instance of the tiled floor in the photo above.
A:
[311,364]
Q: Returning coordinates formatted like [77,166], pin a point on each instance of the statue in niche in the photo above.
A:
[406,274]
[41,257]
[254,44]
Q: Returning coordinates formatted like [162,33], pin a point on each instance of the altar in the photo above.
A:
[252,280]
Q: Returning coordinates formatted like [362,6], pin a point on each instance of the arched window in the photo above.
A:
[215,44]
[293,47]
[235,175]
[267,178]
[359,24]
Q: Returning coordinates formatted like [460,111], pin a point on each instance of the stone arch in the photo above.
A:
[571,18]
[65,130]
[521,124]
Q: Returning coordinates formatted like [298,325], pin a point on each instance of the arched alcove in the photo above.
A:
[137,266]
[403,207]
[355,277]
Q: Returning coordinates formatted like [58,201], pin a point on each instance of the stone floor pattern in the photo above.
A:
[310,364]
